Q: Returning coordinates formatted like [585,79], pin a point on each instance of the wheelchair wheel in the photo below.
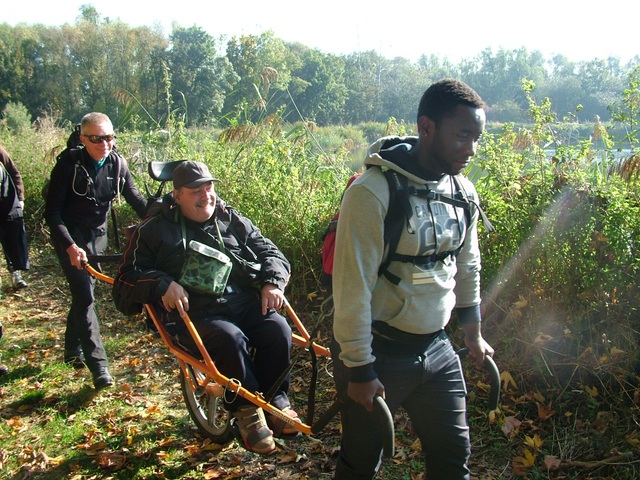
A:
[206,409]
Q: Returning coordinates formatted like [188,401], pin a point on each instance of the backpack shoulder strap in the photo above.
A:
[72,154]
[463,193]
[399,214]
[118,170]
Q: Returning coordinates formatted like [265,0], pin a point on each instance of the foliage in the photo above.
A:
[197,74]
[627,111]
[97,63]
[16,117]
[560,295]
[273,176]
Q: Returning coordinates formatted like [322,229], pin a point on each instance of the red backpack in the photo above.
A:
[329,242]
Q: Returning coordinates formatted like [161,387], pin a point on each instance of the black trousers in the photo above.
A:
[429,385]
[83,328]
[14,244]
[245,345]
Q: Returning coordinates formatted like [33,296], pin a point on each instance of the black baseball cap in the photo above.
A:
[191,174]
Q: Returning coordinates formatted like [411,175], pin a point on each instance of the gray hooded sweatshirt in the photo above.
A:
[427,294]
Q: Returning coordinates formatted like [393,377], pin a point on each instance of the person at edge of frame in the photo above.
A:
[12,232]
[389,339]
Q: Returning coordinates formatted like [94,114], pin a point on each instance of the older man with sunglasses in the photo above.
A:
[83,184]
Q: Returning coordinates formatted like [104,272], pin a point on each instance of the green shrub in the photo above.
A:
[16,117]
[289,190]
[565,241]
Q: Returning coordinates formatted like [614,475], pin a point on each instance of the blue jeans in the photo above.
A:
[430,387]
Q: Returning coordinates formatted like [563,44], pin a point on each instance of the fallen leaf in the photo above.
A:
[538,396]
[528,460]
[616,352]
[212,474]
[507,379]
[592,391]
[552,462]
[544,412]
[633,440]
[511,426]
[112,460]
[288,457]
[542,339]
[534,443]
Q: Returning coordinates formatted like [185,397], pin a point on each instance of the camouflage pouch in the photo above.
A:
[205,270]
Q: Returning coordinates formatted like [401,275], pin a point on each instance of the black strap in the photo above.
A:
[114,216]
[462,192]
[396,210]
[400,207]
[250,268]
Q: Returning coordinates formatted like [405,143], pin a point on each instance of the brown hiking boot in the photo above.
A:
[253,429]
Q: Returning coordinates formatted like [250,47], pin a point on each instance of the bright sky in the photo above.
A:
[456,29]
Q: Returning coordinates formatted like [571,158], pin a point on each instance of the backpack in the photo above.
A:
[329,242]
[74,148]
[399,214]
[73,142]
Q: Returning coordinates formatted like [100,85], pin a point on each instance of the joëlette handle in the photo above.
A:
[381,412]
[494,377]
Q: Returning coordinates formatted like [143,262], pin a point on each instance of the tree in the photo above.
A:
[261,64]
[320,93]
[363,79]
[200,79]
[498,77]
[402,87]
[600,83]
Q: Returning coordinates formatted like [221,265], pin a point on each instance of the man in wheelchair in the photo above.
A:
[199,256]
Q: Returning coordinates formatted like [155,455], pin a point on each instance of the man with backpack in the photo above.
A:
[391,309]
[83,184]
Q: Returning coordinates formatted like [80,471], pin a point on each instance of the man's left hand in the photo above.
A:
[272,297]
[478,346]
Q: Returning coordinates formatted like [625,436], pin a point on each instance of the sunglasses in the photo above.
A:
[100,138]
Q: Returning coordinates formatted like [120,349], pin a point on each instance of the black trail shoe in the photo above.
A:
[102,378]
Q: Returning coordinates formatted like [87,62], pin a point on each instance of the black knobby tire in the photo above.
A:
[206,411]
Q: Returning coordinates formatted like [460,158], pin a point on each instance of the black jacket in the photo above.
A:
[80,197]
[155,255]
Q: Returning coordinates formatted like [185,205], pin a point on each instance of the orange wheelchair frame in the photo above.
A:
[204,386]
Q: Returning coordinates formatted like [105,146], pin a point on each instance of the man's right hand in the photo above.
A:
[77,256]
[176,297]
[364,392]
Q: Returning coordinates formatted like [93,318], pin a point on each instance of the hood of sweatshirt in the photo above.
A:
[393,153]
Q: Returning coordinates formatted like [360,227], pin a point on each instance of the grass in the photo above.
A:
[54,425]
